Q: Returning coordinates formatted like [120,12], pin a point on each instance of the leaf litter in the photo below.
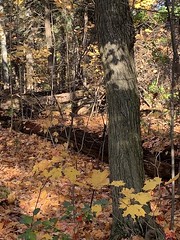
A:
[19,154]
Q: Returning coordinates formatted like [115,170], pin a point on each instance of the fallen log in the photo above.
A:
[96,146]
[33,105]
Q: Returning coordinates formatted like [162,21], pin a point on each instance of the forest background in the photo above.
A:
[52,84]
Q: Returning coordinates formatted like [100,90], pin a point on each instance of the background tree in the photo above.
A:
[116,37]
[4,55]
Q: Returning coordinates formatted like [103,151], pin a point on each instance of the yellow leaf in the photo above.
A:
[117,183]
[71,173]
[150,184]
[99,179]
[56,159]
[64,154]
[55,173]
[143,197]
[128,192]
[90,54]
[173,179]
[96,209]
[45,173]
[145,4]
[83,183]
[18,2]
[41,166]
[147,30]
[138,5]
[124,202]
[134,211]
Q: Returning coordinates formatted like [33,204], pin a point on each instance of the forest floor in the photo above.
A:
[22,191]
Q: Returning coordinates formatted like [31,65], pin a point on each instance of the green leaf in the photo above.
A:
[89,216]
[53,220]
[28,235]
[55,238]
[102,202]
[66,237]
[47,223]
[69,207]
[36,211]
[64,217]
[37,223]
[27,220]
[66,204]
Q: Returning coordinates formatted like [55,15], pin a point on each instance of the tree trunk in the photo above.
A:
[116,41]
[49,41]
[29,86]
[63,52]
[4,55]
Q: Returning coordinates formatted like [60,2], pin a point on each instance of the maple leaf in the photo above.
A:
[71,173]
[117,183]
[53,173]
[56,173]
[173,179]
[146,4]
[124,202]
[45,173]
[143,197]
[150,184]
[56,159]
[41,166]
[96,209]
[99,179]
[128,192]
[82,184]
[134,211]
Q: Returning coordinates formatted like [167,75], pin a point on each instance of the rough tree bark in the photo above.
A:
[116,37]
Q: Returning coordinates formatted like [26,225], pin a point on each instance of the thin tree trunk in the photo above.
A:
[49,41]
[63,66]
[29,72]
[5,70]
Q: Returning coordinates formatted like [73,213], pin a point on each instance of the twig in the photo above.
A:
[92,198]
[37,201]
[174,77]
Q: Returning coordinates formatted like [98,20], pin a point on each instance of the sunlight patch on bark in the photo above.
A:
[118,66]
